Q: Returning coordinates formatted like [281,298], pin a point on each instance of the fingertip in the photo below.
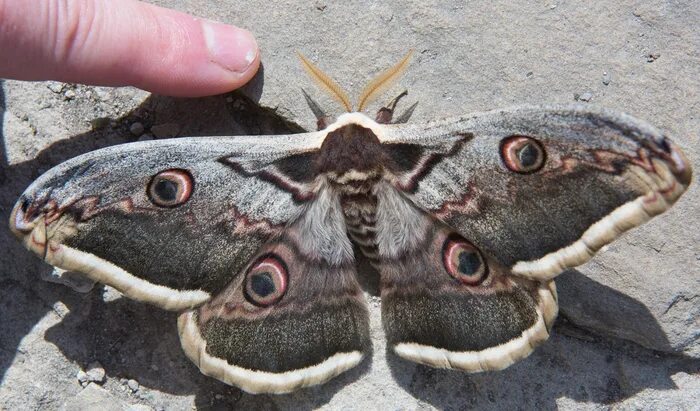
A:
[218,58]
[234,51]
[125,43]
[232,48]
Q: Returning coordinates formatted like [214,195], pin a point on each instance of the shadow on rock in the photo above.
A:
[594,306]
[132,340]
[573,364]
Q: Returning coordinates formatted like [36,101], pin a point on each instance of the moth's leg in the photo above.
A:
[386,113]
[322,119]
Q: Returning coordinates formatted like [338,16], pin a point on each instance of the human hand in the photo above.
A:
[126,42]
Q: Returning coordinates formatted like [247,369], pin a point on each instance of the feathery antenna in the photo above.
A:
[326,82]
[383,81]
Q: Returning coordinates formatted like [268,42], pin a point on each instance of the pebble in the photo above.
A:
[69,94]
[651,57]
[133,385]
[606,78]
[136,129]
[78,282]
[82,377]
[165,130]
[55,86]
[109,294]
[96,373]
[587,96]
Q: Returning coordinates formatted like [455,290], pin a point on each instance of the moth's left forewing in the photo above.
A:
[167,222]
[601,173]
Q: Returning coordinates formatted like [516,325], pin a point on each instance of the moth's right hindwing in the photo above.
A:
[448,304]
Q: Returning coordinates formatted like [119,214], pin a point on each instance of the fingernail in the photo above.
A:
[230,47]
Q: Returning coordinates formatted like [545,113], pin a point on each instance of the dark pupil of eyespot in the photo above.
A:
[166,190]
[528,155]
[262,284]
[469,262]
[25,205]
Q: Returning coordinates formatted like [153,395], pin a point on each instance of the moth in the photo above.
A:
[255,239]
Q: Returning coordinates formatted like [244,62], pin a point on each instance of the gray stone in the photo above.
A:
[469,57]
[133,385]
[586,97]
[76,281]
[92,397]
[96,373]
[82,377]
[136,128]
[166,130]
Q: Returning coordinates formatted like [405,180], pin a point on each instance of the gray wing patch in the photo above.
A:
[93,214]
[604,173]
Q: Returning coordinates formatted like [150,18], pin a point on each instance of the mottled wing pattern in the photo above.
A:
[315,326]
[601,174]
[474,236]
[447,304]
[95,214]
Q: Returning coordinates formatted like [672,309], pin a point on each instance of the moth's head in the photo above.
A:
[373,89]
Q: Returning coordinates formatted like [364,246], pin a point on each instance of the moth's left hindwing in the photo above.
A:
[293,320]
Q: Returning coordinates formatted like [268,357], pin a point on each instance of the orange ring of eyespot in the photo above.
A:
[183,187]
[277,277]
[510,150]
[453,245]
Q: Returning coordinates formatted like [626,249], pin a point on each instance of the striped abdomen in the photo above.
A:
[360,209]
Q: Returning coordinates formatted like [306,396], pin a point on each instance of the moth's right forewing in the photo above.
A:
[543,188]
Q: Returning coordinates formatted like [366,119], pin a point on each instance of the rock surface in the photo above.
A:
[469,57]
